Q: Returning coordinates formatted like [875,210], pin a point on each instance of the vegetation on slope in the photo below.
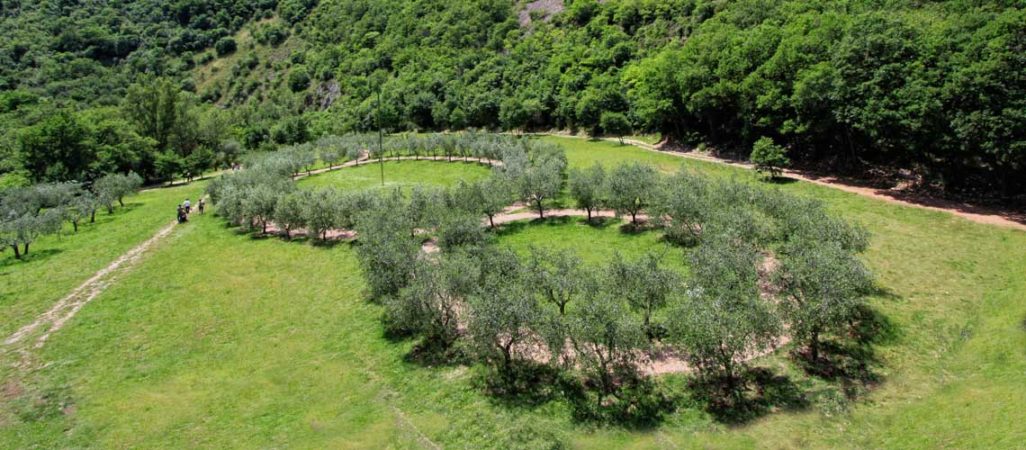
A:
[927,91]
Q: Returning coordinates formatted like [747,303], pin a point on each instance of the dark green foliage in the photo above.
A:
[57,149]
[299,79]
[939,93]
[168,165]
[225,46]
[615,123]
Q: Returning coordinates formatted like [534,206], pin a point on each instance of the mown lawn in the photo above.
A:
[398,174]
[595,242]
[222,340]
[57,264]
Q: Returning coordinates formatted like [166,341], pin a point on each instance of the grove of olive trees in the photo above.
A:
[764,269]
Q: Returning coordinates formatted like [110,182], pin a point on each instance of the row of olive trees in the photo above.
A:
[264,194]
[332,150]
[26,213]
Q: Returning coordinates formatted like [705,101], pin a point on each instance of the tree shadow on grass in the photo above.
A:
[600,223]
[531,384]
[32,256]
[850,362]
[432,353]
[631,228]
[781,180]
[765,392]
[639,404]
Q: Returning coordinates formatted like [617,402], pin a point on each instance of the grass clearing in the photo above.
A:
[219,339]
[595,243]
[401,174]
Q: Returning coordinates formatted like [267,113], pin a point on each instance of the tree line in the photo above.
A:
[764,267]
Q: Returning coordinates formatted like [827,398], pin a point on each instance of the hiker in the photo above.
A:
[201,205]
[188,206]
[182,216]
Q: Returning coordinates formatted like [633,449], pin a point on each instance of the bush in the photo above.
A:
[225,46]
[769,157]
[615,123]
[299,79]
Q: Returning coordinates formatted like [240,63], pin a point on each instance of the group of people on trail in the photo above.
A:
[185,209]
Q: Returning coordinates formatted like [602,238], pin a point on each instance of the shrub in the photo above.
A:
[225,46]
[615,123]
[769,157]
[299,79]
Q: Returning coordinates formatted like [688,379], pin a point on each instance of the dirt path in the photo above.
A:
[35,334]
[978,214]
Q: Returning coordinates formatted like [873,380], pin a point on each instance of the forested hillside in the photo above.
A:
[933,90]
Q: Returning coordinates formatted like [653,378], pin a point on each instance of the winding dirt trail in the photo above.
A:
[978,214]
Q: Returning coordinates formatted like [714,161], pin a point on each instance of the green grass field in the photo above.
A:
[222,340]
[398,174]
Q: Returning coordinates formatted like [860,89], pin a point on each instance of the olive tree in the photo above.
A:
[539,183]
[721,320]
[494,196]
[386,251]
[114,187]
[321,212]
[606,338]
[259,205]
[556,275]
[682,206]
[631,188]
[289,211]
[430,303]
[823,286]
[587,187]
[645,284]
[26,228]
[503,314]
[460,229]
[82,206]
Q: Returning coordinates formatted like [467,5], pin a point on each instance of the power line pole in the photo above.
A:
[381,153]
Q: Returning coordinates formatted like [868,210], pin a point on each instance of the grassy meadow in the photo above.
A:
[219,339]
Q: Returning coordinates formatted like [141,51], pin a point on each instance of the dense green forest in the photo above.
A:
[933,91]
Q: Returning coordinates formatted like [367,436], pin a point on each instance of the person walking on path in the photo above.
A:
[201,205]
[182,216]
[188,206]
